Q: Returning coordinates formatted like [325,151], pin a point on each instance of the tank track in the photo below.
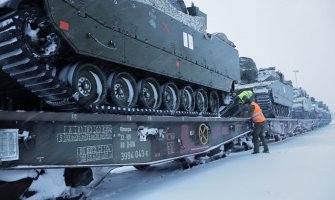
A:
[271,109]
[107,109]
[28,69]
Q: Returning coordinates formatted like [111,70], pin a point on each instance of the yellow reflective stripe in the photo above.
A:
[257,113]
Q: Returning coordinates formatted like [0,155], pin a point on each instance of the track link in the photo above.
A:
[265,103]
[269,108]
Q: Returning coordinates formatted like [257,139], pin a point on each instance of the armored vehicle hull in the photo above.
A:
[79,55]
[272,93]
[302,107]
[320,110]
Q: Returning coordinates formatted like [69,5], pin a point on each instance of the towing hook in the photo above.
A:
[28,139]
[29,142]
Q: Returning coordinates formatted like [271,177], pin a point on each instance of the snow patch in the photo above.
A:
[196,22]
[50,49]
[6,22]
[11,41]
[10,54]
[14,175]
[3,3]
[49,185]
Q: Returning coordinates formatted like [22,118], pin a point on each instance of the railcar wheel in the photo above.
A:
[40,36]
[89,83]
[150,93]
[171,96]
[214,102]
[122,89]
[201,100]
[187,99]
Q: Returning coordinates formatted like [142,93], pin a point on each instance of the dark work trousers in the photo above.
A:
[259,133]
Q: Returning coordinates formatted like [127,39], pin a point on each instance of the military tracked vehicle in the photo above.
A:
[302,106]
[320,110]
[249,70]
[272,92]
[306,107]
[113,56]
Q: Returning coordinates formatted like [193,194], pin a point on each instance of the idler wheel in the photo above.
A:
[214,102]
[171,96]
[40,36]
[201,100]
[187,99]
[150,93]
[89,83]
[122,89]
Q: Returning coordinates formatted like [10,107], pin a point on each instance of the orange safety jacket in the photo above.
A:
[257,115]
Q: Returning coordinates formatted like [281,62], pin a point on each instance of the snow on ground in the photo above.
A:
[49,186]
[3,3]
[300,167]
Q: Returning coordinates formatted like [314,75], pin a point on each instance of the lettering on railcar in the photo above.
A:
[94,153]
[134,154]
[79,133]
[157,154]
[170,148]
[125,129]
[129,148]
[126,141]
[170,144]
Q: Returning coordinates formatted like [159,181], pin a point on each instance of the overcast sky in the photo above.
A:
[288,34]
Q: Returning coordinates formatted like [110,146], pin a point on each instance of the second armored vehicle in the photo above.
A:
[272,92]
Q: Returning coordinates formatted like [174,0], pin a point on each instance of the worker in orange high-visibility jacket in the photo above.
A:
[258,120]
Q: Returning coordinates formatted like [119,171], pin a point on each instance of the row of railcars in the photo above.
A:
[277,96]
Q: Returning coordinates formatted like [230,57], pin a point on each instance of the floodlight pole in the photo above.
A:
[295,75]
